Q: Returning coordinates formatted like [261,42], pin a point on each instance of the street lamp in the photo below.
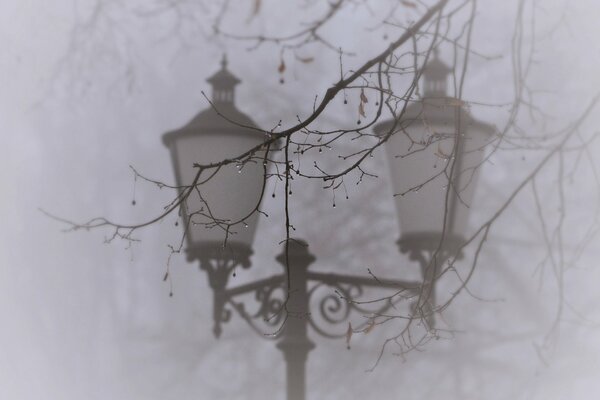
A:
[230,196]
[222,132]
[434,151]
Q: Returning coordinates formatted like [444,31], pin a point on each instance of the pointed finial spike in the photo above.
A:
[224,61]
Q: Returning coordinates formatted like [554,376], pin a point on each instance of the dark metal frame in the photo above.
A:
[285,311]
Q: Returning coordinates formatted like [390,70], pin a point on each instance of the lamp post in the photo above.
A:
[429,235]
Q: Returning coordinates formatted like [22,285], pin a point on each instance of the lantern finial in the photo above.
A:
[224,62]
[223,83]
[435,76]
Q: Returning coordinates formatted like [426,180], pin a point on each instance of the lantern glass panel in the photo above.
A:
[230,195]
[420,154]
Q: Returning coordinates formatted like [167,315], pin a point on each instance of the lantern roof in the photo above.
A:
[218,120]
[222,115]
[437,111]
[435,106]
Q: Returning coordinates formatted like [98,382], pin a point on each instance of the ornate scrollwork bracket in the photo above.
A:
[276,301]
[342,296]
[336,296]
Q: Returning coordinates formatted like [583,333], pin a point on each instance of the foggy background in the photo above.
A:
[79,103]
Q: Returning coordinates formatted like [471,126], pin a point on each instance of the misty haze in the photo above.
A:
[257,199]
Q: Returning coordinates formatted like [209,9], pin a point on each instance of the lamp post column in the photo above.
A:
[294,342]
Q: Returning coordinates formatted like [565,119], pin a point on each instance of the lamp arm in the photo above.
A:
[335,305]
[253,286]
[332,279]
